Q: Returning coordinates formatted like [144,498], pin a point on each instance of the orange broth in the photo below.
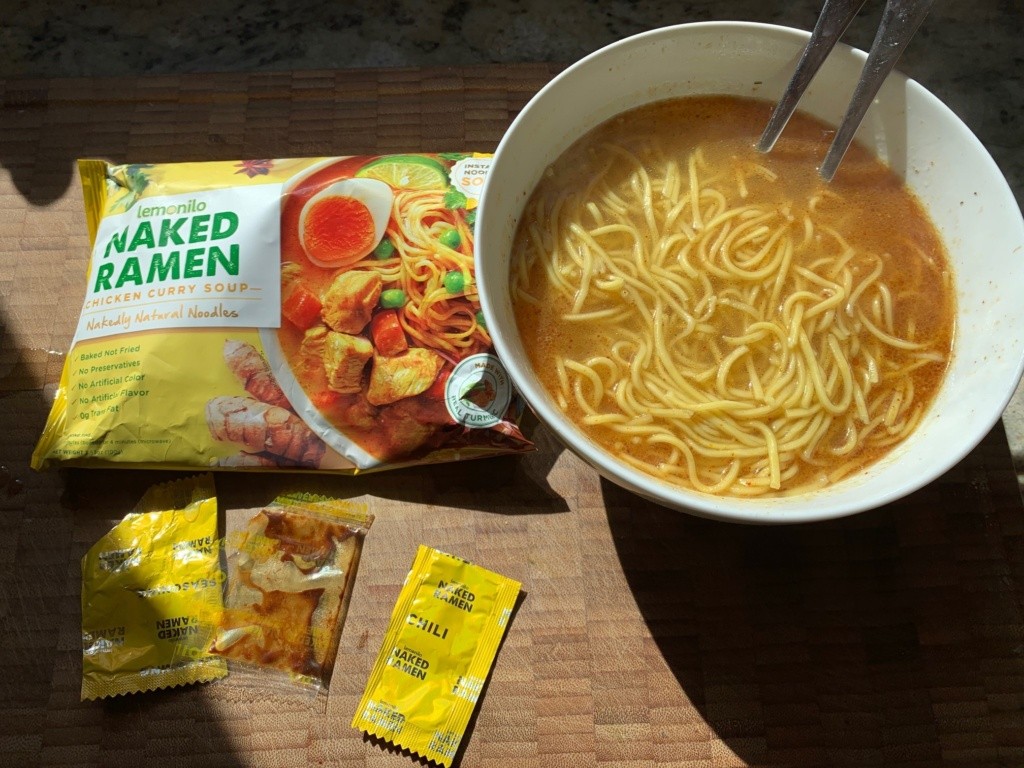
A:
[878,214]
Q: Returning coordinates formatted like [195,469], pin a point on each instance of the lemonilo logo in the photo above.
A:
[191,205]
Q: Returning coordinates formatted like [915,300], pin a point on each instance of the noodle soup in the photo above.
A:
[380,306]
[723,319]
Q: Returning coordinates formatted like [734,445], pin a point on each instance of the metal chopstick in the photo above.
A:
[835,17]
[900,20]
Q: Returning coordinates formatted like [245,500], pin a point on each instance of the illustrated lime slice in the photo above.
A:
[406,172]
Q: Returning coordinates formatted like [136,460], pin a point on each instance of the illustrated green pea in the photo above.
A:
[393,298]
[454,282]
[385,249]
[481,320]
[451,239]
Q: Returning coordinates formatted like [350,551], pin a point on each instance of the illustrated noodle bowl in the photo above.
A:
[721,318]
[406,311]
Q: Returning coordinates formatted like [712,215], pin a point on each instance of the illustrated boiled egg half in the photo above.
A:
[344,222]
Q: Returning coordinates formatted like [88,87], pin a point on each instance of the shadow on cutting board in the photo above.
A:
[847,642]
[42,719]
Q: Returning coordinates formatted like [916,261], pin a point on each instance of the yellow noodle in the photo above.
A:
[432,316]
[748,344]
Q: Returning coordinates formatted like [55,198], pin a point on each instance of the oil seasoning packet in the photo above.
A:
[313,313]
[290,570]
[151,595]
[442,639]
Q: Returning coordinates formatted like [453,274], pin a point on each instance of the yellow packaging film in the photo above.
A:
[151,595]
[316,313]
[442,640]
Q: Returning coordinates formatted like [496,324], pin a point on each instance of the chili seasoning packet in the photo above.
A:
[290,567]
[151,595]
[441,642]
[312,313]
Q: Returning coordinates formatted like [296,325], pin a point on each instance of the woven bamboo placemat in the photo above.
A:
[645,637]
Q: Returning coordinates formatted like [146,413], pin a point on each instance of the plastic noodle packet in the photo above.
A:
[151,594]
[441,642]
[290,570]
[301,314]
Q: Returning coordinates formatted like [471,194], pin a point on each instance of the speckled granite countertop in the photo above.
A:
[970,54]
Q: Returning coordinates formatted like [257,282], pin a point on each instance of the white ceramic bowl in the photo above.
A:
[919,137]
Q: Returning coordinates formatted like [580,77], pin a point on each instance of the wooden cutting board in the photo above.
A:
[645,637]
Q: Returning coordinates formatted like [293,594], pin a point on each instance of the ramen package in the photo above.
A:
[151,595]
[312,314]
[441,642]
[290,571]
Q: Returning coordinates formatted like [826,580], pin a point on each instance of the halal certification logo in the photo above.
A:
[478,392]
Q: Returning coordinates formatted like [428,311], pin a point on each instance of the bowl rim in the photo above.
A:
[731,509]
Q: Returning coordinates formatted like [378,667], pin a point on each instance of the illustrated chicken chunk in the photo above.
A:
[359,414]
[401,376]
[344,358]
[309,363]
[313,341]
[350,301]
[403,431]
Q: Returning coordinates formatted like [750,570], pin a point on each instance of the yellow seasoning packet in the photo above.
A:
[151,594]
[441,642]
